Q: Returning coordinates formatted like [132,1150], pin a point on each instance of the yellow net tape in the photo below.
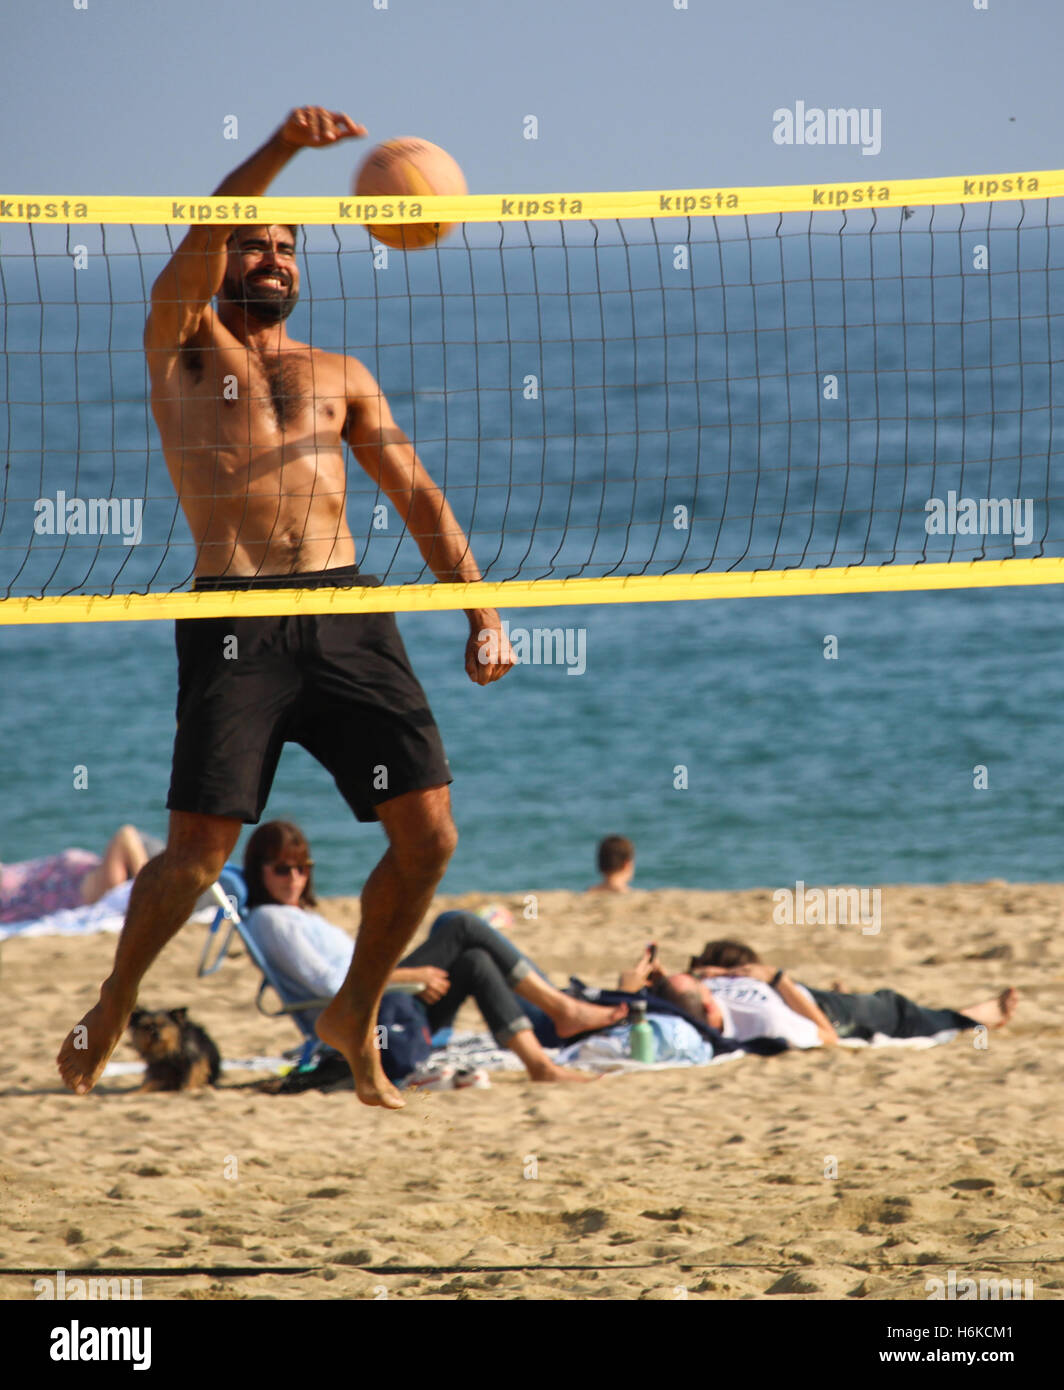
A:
[183,210]
[534,207]
[537,593]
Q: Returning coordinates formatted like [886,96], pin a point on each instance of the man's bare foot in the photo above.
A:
[1007,1002]
[995,1013]
[550,1071]
[353,1036]
[89,1044]
[581,1017]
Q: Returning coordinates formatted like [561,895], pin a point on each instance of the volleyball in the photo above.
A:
[405,169]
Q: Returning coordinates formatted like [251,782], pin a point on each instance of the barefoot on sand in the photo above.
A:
[89,1044]
[995,1013]
[1006,1002]
[340,1027]
[580,1017]
[552,1072]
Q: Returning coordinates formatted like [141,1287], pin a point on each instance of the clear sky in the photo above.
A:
[130,96]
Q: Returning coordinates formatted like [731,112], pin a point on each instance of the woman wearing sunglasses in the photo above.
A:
[461,958]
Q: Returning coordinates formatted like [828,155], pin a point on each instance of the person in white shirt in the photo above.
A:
[744,999]
[750,1008]
[461,958]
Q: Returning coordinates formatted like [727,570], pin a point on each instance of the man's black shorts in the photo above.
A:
[340,685]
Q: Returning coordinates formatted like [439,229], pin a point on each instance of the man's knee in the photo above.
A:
[427,854]
[200,845]
[442,842]
[187,869]
[195,855]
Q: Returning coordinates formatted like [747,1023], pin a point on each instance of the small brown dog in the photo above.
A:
[180,1055]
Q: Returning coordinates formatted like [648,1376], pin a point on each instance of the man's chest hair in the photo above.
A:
[284,384]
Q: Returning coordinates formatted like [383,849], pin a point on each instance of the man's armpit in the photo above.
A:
[173,333]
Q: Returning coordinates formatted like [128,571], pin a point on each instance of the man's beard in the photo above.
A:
[259,300]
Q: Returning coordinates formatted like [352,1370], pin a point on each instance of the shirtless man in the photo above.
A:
[260,473]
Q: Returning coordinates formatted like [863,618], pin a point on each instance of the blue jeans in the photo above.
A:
[455,933]
[862,1015]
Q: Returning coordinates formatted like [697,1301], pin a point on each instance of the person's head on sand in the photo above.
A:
[278,866]
[691,995]
[725,955]
[616,863]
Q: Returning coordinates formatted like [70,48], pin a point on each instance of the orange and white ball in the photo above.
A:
[404,169]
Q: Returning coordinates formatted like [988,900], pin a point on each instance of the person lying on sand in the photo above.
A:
[73,877]
[462,958]
[731,989]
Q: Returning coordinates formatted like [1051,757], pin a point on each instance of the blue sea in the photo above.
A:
[717,735]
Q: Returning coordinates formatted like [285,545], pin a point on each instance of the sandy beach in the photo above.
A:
[715,1183]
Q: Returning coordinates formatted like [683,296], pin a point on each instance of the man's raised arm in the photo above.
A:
[194,273]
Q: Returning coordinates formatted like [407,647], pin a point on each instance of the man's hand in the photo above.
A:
[314,126]
[646,971]
[488,654]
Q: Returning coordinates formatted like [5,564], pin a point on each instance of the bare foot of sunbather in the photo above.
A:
[994,1013]
[588,1018]
[550,1071]
[538,1064]
[354,1035]
[569,1015]
[89,1044]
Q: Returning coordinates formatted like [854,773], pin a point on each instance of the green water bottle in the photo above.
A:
[641,1041]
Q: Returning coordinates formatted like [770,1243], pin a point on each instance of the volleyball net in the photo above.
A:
[633,396]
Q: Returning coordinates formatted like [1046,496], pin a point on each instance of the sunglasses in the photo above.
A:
[287,870]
